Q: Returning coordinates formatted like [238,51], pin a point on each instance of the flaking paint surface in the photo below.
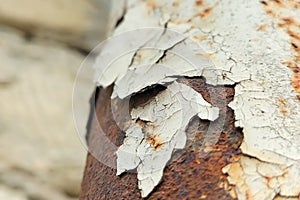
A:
[158,129]
[248,50]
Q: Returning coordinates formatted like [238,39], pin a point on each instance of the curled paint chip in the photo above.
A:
[149,145]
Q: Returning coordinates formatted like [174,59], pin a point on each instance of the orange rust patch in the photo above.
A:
[249,195]
[288,21]
[294,4]
[296,78]
[270,12]
[295,37]
[197,38]
[292,65]
[268,179]
[278,2]
[199,2]
[283,3]
[151,5]
[296,82]
[262,27]
[155,142]
[205,12]
[283,106]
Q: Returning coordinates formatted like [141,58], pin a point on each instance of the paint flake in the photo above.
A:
[149,147]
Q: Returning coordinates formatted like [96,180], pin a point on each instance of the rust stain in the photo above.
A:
[296,82]
[155,141]
[199,2]
[290,3]
[152,139]
[283,106]
[205,12]
[249,195]
[270,12]
[296,77]
[294,4]
[197,38]
[294,35]
[268,179]
[278,2]
[151,5]
[262,27]
[278,9]
[287,21]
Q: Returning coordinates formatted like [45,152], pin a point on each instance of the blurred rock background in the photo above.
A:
[42,44]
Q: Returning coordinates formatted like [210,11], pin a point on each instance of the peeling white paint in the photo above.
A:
[242,55]
[255,179]
[166,117]
[139,78]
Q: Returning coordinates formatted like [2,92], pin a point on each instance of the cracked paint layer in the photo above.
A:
[256,179]
[158,130]
[249,50]
[182,174]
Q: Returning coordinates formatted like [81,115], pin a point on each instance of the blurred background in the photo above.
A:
[42,44]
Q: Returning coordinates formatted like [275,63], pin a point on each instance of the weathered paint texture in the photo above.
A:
[251,43]
[158,130]
[286,14]
[200,160]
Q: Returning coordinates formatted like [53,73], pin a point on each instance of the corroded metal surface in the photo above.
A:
[252,45]
[195,173]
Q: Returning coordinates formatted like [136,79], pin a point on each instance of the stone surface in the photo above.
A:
[6,193]
[82,23]
[41,156]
